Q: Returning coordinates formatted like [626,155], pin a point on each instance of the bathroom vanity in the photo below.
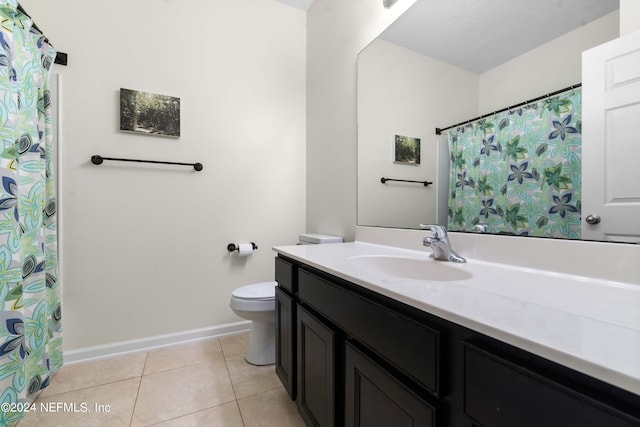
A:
[369,335]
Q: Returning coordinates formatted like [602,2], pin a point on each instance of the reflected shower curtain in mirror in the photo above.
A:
[30,334]
[519,172]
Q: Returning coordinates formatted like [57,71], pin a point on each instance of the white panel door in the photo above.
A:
[611,141]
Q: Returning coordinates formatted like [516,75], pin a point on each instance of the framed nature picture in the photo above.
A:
[149,113]
[406,150]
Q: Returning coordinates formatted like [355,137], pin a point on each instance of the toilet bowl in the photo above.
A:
[257,303]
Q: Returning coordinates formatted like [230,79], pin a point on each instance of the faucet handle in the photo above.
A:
[479,228]
[439,231]
[428,226]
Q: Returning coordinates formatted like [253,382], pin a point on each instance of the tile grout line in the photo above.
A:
[185,365]
[86,388]
[135,400]
[232,386]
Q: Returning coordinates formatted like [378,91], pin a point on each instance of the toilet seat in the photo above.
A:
[256,292]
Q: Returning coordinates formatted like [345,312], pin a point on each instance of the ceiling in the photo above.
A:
[478,35]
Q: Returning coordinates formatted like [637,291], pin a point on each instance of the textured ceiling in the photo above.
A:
[478,35]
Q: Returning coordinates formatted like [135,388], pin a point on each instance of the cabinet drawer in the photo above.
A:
[284,272]
[500,393]
[410,347]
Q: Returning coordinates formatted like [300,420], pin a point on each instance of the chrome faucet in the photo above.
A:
[440,245]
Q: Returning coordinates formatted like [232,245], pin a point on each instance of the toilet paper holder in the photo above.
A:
[233,247]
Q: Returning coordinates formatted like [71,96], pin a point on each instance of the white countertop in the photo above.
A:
[591,325]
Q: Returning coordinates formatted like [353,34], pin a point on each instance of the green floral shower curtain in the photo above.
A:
[30,334]
[519,171]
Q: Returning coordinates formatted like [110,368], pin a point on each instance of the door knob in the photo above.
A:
[592,219]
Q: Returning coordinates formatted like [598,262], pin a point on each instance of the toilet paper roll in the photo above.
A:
[245,249]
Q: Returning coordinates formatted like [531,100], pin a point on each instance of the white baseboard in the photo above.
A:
[144,344]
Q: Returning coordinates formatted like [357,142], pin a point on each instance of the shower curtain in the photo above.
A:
[30,333]
[519,172]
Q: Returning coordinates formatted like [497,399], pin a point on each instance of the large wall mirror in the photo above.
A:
[445,63]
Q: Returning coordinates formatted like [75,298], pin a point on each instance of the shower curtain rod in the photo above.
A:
[440,130]
[61,57]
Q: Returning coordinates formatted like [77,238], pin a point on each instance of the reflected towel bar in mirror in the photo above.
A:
[97,160]
[425,183]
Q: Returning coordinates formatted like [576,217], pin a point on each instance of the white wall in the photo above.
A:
[337,31]
[403,92]
[629,16]
[145,246]
[547,68]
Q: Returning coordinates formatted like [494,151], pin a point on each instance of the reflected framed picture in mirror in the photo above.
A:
[406,150]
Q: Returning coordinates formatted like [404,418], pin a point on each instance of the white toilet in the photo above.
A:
[257,302]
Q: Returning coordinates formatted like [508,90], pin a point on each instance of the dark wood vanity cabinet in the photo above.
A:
[352,357]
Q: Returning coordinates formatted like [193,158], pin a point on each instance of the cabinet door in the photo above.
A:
[502,393]
[315,370]
[375,398]
[285,341]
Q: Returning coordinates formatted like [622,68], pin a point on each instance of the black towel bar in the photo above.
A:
[425,183]
[97,160]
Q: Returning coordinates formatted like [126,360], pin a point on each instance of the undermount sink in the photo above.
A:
[410,268]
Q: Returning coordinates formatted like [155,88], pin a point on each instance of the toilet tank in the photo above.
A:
[314,239]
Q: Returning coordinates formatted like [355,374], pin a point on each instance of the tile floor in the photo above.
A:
[206,383]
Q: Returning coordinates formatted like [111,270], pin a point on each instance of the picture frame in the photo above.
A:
[149,113]
[406,150]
